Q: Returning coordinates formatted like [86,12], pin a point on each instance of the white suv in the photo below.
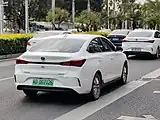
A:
[142,42]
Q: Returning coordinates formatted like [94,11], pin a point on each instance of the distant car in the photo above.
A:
[105,30]
[117,36]
[73,62]
[142,42]
[44,34]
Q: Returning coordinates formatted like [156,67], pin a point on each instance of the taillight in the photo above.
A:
[28,44]
[76,63]
[18,61]
[124,40]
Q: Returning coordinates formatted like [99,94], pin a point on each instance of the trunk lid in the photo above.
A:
[45,63]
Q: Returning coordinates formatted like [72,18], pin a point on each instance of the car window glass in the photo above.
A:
[156,35]
[96,45]
[108,45]
[65,45]
[140,34]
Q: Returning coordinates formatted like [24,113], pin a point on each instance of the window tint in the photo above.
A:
[108,45]
[66,45]
[157,35]
[141,34]
[96,45]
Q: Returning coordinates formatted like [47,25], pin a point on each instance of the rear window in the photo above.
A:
[124,32]
[65,45]
[141,34]
[42,35]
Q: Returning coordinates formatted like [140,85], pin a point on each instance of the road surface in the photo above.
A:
[15,106]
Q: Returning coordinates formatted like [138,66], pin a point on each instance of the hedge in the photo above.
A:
[16,43]
[13,43]
[105,34]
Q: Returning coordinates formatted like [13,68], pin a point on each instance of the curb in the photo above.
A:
[8,57]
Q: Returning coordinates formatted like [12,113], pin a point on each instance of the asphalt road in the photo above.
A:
[140,102]
[15,106]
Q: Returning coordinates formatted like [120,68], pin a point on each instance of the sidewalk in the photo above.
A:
[141,104]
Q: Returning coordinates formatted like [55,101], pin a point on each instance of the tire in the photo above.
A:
[30,93]
[124,76]
[96,88]
[157,54]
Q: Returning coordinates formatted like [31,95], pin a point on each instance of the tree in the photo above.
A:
[60,16]
[89,18]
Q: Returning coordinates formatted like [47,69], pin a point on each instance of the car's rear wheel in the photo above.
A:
[30,93]
[96,87]
[124,75]
[157,53]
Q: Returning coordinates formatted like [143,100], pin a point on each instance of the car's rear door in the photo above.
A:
[116,61]
[102,57]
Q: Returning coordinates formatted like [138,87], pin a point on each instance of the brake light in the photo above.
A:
[18,61]
[76,63]
[28,44]
[124,40]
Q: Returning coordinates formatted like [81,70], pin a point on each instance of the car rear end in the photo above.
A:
[117,36]
[140,43]
[58,67]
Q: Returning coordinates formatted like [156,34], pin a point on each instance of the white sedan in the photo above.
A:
[44,34]
[79,63]
[142,42]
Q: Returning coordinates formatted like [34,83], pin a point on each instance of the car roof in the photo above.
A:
[76,36]
[122,30]
[53,31]
[144,30]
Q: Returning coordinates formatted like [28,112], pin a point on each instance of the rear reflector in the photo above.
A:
[18,61]
[76,63]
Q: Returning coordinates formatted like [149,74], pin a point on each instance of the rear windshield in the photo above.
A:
[42,35]
[65,45]
[124,32]
[141,34]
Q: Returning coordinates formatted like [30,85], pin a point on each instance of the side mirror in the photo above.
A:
[118,48]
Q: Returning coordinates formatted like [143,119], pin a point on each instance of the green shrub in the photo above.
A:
[13,43]
[105,34]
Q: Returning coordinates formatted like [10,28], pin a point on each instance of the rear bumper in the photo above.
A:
[61,83]
[45,89]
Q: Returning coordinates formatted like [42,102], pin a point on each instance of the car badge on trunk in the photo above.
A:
[42,58]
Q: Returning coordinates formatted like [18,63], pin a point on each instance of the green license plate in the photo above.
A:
[43,82]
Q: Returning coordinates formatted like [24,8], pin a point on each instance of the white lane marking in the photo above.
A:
[156,92]
[152,75]
[147,117]
[88,109]
[8,78]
